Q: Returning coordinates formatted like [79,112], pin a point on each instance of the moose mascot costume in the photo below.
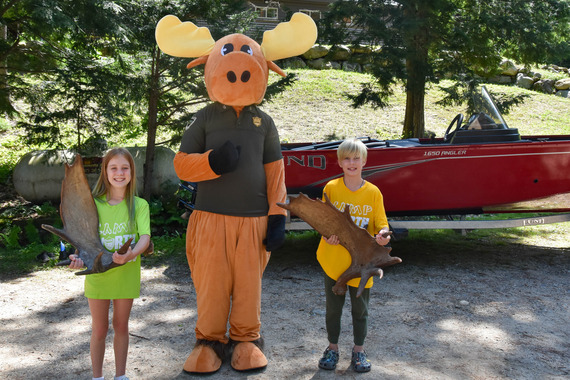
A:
[231,149]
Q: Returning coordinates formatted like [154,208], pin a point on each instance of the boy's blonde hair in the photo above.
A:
[352,148]
[102,186]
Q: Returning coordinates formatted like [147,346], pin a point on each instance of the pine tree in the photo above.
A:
[420,41]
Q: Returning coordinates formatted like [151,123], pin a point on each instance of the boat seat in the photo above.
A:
[470,136]
[403,143]
[369,142]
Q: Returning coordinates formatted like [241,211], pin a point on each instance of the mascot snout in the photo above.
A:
[236,72]
[236,79]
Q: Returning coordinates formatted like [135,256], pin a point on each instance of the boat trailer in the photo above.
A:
[401,226]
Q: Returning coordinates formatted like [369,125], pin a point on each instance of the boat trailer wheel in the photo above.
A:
[458,120]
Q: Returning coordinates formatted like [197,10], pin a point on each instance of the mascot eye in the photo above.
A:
[246,49]
[227,48]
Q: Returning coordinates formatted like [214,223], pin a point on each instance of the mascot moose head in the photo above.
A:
[236,67]
[232,150]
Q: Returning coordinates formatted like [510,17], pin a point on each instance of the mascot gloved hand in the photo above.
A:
[232,149]
[275,232]
[224,159]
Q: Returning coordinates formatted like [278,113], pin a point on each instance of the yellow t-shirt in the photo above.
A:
[366,209]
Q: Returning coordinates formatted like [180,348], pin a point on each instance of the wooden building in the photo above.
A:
[271,13]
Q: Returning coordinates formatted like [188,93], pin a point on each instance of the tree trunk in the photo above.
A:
[5,101]
[416,68]
[154,95]
[414,121]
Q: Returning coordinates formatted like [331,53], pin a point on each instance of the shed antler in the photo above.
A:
[367,255]
[81,222]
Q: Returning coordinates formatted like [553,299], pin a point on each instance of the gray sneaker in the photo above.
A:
[329,359]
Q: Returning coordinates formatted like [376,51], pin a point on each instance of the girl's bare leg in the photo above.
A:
[99,328]
[121,314]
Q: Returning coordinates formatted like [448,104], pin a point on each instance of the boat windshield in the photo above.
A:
[485,104]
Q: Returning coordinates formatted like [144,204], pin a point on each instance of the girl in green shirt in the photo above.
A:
[122,215]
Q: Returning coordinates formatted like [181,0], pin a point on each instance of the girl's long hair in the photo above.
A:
[102,186]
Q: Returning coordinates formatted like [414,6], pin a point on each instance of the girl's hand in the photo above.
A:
[381,239]
[332,240]
[122,259]
[76,262]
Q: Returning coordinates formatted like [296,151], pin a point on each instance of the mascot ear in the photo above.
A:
[289,39]
[198,61]
[182,39]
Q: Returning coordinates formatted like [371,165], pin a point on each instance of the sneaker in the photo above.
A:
[329,359]
[359,362]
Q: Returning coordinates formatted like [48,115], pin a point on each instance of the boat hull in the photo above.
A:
[421,177]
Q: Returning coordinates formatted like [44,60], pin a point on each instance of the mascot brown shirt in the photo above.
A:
[256,136]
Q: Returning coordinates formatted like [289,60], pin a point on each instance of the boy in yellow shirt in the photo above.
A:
[367,210]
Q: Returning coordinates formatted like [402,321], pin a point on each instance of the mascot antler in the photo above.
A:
[81,222]
[367,255]
[184,39]
[289,39]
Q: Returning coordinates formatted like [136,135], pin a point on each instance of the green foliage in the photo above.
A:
[25,211]
[47,35]
[301,240]
[74,105]
[20,225]
[82,69]
[300,247]
[165,217]
[10,237]
[423,41]
[4,125]
[459,93]
[24,259]
[32,233]
[549,74]
[167,249]
[279,86]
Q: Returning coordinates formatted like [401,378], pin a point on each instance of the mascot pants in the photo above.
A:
[227,258]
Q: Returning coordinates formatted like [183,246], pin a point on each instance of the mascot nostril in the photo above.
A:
[231,76]
[231,149]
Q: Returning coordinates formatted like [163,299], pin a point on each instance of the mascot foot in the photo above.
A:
[203,360]
[247,356]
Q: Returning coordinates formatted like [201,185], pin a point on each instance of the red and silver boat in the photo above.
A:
[479,167]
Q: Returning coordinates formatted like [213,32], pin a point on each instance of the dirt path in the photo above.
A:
[466,315]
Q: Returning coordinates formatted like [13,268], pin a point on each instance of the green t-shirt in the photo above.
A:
[124,281]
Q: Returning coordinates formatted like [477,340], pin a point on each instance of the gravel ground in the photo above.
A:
[500,312]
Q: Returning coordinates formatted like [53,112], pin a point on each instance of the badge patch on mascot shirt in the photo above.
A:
[256,121]
[191,122]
